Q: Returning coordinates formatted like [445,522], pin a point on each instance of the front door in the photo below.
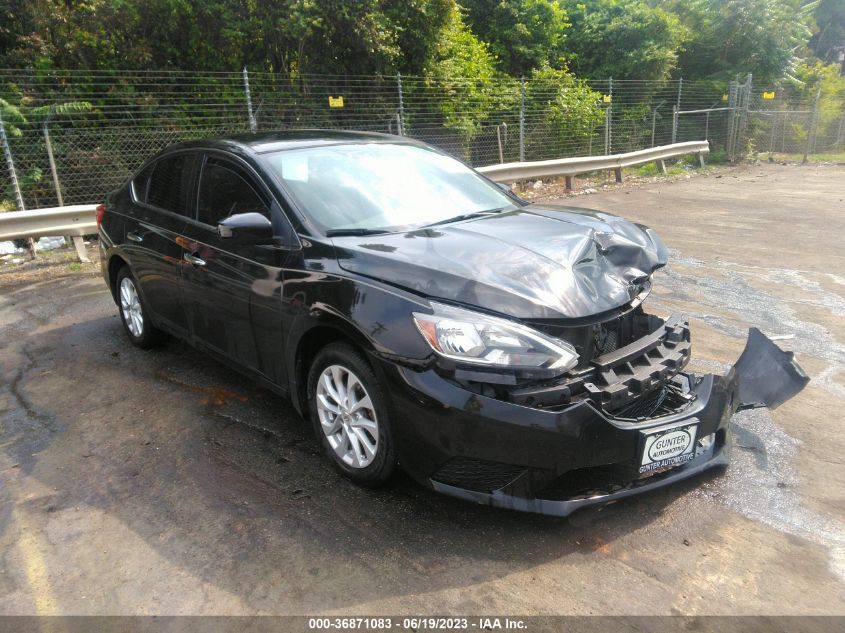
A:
[233,291]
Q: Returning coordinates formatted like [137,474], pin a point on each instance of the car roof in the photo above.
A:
[290,139]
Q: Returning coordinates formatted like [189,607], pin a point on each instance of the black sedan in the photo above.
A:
[421,315]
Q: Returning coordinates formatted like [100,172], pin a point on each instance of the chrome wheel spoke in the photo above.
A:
[368,425]
[328,404]
[363,403]
[365,442]
[355,453]
[328,384]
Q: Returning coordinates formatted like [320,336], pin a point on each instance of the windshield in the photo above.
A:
[383,186]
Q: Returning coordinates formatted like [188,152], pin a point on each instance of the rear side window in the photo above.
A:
[169,185]
[226,190]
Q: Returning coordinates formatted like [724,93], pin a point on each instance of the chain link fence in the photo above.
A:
[72,136]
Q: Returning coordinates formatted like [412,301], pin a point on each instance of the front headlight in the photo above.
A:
[471,337]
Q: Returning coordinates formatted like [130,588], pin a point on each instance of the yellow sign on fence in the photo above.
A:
[769,95]
[336,102]
[606,98]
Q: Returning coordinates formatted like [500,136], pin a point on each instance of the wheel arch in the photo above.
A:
[115,263]
[328,329]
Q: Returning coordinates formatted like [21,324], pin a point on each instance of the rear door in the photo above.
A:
[163,195]
[233,290]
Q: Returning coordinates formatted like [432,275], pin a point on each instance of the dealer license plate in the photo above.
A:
[666,447]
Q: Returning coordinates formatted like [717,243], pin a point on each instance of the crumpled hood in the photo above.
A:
[538,262]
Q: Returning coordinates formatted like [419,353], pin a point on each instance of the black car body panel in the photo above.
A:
[534,263]
[509,440]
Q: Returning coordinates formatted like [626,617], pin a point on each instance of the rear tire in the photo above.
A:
[349,412]
[133,314]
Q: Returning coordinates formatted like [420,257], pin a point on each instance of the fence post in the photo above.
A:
[653,124]
[744,107]
[52,159]
[401,121]
[838,144]
[253,126]
[729,133]
[522,121]
[676,109]
[674,123]
[78,242]
[811,133]
[609,149]
[7,151]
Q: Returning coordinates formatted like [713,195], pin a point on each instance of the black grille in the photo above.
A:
[477,475]
[664,401]
[598,480]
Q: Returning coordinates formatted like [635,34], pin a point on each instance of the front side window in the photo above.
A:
[383,186]
[224,191]
[170,183]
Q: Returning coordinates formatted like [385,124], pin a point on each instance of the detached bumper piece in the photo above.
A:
[646,425]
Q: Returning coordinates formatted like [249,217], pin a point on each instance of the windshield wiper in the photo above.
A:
[354,231]
[467,216]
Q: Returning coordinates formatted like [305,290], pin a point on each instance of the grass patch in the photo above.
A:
[74,266]
[824,157]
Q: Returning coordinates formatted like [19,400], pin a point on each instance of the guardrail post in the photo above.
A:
[253,125]
[401,120]
[10,163]
[619,176]
[661,166]
[522,121]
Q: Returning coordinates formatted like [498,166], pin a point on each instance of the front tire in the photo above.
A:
[349,413]
[134,316]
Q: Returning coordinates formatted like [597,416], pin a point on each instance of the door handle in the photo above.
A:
[193,259]
[133,236]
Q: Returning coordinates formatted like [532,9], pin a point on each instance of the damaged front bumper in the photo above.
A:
[554,461]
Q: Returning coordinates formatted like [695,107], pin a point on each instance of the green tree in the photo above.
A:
[829,34]
[522,34]
[460,78]
[622,38]
[734,37]
[563,112]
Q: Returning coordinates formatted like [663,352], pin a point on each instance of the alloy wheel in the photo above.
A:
[130,305]
[347,416]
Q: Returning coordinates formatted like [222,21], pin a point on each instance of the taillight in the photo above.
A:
[101,209]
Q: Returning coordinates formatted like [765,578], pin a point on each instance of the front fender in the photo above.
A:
[377,317]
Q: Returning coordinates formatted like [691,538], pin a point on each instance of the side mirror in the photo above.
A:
[246,228]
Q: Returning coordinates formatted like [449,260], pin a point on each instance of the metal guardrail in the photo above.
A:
[75,220]
[569,167]
[78,220]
